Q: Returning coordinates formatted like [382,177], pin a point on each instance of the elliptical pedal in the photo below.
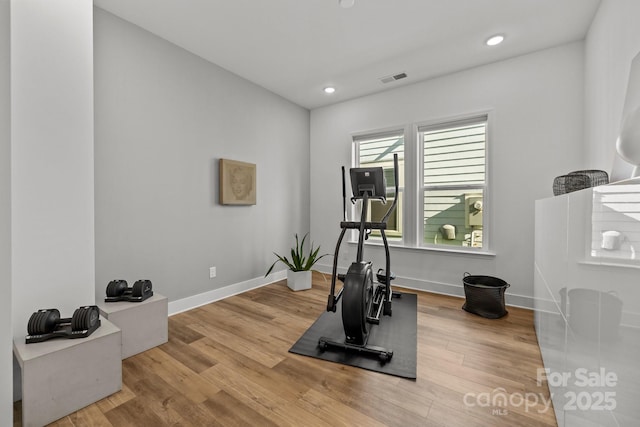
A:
[381,275]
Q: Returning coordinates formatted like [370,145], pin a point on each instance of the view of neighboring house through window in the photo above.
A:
[453,182]
[445,191]
[378,151]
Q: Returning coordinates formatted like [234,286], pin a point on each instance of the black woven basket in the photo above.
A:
[596,177]
[569,183]
[579,180]
[484,296]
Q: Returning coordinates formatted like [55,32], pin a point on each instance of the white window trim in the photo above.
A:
[411,239]
[446,123]
[352,209]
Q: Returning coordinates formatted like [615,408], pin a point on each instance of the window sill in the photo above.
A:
[610,263]
[445,250]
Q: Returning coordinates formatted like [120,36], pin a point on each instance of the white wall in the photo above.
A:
[612,42]
[164,117]
[536,134]
[6,335]
[51,157]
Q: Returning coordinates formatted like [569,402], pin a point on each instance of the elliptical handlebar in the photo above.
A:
[344,196]
[395,198]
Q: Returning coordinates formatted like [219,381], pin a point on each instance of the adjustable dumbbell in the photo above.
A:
[119,290]
[48,320]
[115,288]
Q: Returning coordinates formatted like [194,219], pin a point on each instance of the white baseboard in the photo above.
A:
[194,301]
[630,319]
[455,290]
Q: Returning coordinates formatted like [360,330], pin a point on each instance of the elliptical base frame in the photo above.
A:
[383,354]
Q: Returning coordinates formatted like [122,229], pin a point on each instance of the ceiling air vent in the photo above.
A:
[393,78]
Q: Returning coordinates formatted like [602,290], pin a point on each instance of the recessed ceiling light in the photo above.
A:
[495,40]
[329,89]
[346,4]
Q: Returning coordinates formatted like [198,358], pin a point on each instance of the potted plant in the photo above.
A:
[300,264]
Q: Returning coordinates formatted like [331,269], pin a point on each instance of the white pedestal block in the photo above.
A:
[144,324]
[61,376]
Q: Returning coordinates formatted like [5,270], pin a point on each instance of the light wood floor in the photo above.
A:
[227,364]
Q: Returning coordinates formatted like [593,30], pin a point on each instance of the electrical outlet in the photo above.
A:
[212,272]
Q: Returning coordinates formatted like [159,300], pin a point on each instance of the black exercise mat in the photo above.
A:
[397,332]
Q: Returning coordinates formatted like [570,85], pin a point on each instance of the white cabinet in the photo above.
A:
[587,303]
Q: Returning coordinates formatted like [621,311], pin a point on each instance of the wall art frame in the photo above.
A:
[237,182]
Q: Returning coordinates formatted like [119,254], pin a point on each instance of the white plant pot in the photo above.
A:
[299,280]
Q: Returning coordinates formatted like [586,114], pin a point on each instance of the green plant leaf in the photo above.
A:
[281,259]
[299,260]
[312,258]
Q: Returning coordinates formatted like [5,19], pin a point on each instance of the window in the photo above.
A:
[442,204]
[453,182]
[378,150]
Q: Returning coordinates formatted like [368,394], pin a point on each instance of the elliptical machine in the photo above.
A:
[363,300]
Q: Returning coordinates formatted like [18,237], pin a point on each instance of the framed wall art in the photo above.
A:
[237,182]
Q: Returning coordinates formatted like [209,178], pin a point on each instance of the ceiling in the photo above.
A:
[295,48]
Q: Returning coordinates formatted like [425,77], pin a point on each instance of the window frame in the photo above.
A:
[482,187]
[412,210]
[392,235]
